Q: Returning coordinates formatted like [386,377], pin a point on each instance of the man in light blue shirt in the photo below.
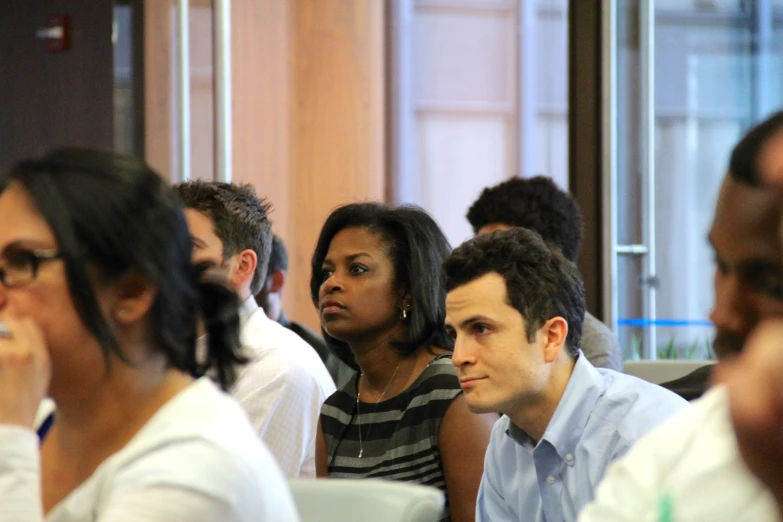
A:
[514,309]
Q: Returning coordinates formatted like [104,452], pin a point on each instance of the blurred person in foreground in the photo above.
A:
[690,469]
[99,305]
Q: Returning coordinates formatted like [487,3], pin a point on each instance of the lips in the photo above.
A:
[469,381]
[331,307]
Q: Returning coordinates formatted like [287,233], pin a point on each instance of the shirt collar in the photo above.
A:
[248,308]
[576,405]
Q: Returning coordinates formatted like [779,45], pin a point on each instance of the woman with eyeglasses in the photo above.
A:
[99,305]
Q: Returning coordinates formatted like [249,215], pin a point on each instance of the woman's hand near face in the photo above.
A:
[25,371]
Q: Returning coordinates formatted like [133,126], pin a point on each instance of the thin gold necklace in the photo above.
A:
[359,413]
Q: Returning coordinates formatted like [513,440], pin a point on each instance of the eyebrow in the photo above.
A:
[197,242]
[28,244]
[349,258]
[474,319]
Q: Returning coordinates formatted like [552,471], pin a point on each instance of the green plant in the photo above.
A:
[672,351]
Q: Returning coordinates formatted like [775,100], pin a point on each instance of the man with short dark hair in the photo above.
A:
[285,383]
[514,309]
[269,298]
[539,204]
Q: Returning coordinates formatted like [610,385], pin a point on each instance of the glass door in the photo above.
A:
[686,78]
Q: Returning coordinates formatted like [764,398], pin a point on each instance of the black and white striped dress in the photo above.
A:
[400,438]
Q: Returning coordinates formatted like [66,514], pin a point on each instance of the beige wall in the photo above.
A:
[308,93]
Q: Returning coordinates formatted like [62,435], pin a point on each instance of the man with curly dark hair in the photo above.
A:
[514,309]
[539,204]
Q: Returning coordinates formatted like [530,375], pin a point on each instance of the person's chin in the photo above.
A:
[337,329]
[476,405]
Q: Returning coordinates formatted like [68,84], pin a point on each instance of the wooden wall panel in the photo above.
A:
[338,130]
[307,113]
[158,78]
[261,98]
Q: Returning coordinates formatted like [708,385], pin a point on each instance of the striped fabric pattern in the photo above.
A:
[400,439]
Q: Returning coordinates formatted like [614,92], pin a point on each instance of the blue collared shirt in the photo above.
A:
[600,416]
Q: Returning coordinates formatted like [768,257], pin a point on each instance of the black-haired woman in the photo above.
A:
[376,279]
[99,305]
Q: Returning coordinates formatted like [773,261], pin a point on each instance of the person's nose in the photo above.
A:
[463,354]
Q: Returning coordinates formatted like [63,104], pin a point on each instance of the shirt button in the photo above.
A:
[550,479]
[569,457]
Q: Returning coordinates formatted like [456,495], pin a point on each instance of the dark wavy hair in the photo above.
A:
[536,203]
[278,256]
[743,165]
[417,248]
[113,214]
[240,218]
[540,282]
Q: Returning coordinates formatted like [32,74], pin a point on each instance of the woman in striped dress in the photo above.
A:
[377,283]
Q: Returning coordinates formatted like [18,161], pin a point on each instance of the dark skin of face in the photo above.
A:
[748,276]
[755,380]
[359,282]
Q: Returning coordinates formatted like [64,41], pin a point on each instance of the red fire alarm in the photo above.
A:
[56,34]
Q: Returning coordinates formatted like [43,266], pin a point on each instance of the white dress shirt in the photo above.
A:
[196,459]
[687,470]
[282,389]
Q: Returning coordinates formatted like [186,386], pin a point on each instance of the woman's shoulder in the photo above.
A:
[439,379]
[199,443]
[441,369]
[201,439]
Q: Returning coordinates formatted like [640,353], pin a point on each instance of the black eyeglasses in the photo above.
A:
[19,266]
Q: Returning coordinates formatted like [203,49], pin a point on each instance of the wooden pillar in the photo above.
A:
[308,116]
[585,136]
[158,78]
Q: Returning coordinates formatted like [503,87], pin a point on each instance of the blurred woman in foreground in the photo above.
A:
[99,305]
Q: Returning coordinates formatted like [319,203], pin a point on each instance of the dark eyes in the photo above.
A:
[721,266]
[758,277]
[765,282]
[477,329]
[354,269]
[19,258]
[480,329]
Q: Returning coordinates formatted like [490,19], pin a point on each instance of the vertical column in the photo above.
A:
[338,130]
[527,102]
[308,88]
[223,112]
[585,139]
[157,85]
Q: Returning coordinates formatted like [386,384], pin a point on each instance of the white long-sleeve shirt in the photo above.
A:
[282,390]
[687,470]
[196,459]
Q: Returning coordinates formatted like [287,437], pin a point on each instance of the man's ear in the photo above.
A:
[244,268]
[133,298]
[555,333]
[275,282]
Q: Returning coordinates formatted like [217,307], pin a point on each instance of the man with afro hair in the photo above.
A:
[539,204]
